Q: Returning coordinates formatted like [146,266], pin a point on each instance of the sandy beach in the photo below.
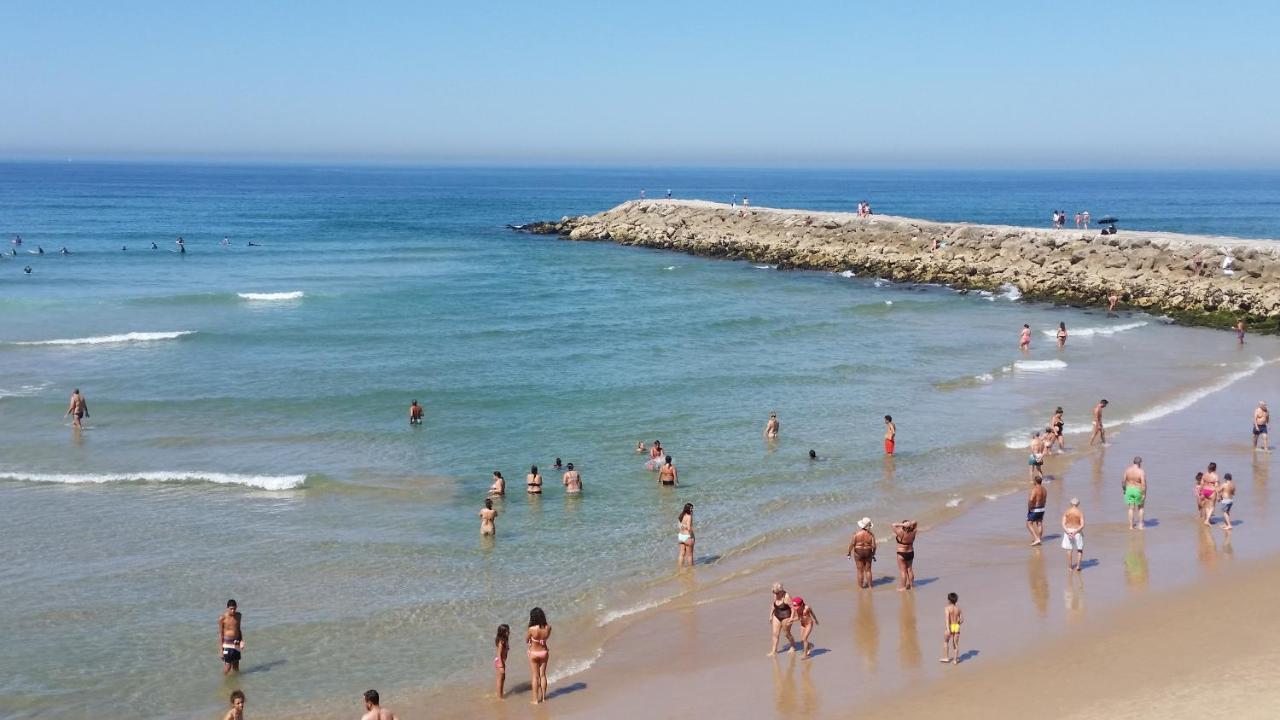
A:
[1152,611]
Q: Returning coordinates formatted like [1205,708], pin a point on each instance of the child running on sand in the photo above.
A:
[951,640]
[501,643]
[808,618]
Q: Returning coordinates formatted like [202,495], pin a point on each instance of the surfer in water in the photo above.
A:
[39,250]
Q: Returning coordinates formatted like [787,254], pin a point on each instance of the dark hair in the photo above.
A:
[1059,409]
[231,603]
[533,469]
[537,618]
[668,459]
[813,453]
[1213,466]
[1104,401]
[1199,475]
[1037,480]
[488,503]
[73,392]
[415,402]
[557,461]
[1026,325]
[688,510]
[1227,476]
[570,466]
[953,598]
[888,418]
[1062,326]
[498,474]
[236,694]
[503,636]
[371,696]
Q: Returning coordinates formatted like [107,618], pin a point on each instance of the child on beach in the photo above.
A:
[237,706]
[951,639]
[1227,497]
[808,619]
[501,643]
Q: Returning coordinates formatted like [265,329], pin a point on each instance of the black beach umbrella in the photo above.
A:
[1109,220]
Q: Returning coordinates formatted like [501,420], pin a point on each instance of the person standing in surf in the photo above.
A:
[905,533]
[890,435]
[533,481]
[1059,429]
[1240,330]
[572,480]
[1062,335]
[1024,341]
[1099,431]
[230,638]
[415,413]
[667,475]
[487,517]
[684,536]
[1261,417]
[535,639]
[772,427]
[78,409]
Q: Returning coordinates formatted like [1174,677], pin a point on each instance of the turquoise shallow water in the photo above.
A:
[249,439]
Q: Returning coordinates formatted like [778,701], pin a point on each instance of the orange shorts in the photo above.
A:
[888,447]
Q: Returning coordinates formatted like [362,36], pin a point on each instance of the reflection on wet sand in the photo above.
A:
[787,702]
[1038,581]
[866,630]
[1261,473]
[1135,561]
[908,632]
[1207,548]
[1073,597]
[887,474]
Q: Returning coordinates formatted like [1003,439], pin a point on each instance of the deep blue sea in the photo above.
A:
[247,435]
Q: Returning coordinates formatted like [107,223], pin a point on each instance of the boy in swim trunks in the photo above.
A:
[951,638]
[230,638]
[1227,496]
[890,434]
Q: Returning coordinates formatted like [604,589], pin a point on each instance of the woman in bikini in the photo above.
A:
[539,656]
[781,615]
[501,643]
[667,475]
[684,536]
[499,486]
[533,481]
[905,533]
[807,619]
[1059,426]
[1062,335]
[487,516]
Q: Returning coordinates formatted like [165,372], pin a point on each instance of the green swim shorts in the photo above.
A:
[1133,495]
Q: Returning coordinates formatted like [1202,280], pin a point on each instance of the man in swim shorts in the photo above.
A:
[1073,535]
[1035,510]
[373,710]
[1035,457]
[415,413]
[78,409]
[890,434]
[230,638]
[1261,417]
[1134,486]
[1099,432]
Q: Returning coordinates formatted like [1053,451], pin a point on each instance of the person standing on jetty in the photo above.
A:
[1035,510]
[1099,432]
[780,618]
[862,549]
[684,536]
[373,709]
[230,638]
[1134,486]
[1073,535]
[1024,341]
[890,435]
[905,533]
[415,413]
[1261,417]
[78,409]
[953,619]
[535,639]
[772,427]
[572,481]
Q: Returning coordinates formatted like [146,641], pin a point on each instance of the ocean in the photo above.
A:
[247,435]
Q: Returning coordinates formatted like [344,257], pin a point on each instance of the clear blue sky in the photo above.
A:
[891,83]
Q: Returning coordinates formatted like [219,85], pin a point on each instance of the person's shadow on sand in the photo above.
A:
[882,581]
[566,690]
[815,653]
[264,667]
[925,581]
[1091,562]
[967,655]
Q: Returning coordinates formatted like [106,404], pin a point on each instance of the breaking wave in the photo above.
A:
[262,482]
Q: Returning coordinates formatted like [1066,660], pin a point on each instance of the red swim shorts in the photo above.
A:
[888,447]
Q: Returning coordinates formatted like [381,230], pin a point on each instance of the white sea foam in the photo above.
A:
[669,267]
[613,615]
[762,267]
[1010,292]
[23,390]
[888,302]
[574,667]
[294,295]
[113,339]
[1038,365]
[263,482]
[1090,331]
[847,274]
[954,502]
[984,377]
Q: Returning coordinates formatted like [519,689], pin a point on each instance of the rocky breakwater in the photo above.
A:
[1195,279]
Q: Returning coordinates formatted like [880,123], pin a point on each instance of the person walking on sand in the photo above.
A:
[1035,457]
[684,536]
[1062,335]
[1099,431]
[1208,489]
[237,706]
[501,644]
[905,533]
[230,638]
[772,427]
[535,639]
[807,619]
[1024,341]
[533,481]
[1073,535]
[78,409]
[1035,510]
[1261,417]
[572,480]
[1227,497]
[1240,330]
[1059,427]
[373,709]
[890,435]
[780,618]
[415,413]
[862,548]
[1134,486]
[499,486]
[487,517]
[953,618]
[667,475]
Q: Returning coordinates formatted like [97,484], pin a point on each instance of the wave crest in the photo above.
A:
[112,339]
[1091,331]
[262,482]
[292,295]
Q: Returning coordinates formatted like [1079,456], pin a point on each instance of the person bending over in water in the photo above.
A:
[1099,432]
[905,533]
[230,638]
[667,474]
[78,409]
[487,517]
[415,413]
[684,536]
[237,706]
[535,639]
[501,644]
[772,427]
[780,618]
[499,486]
[953,618]
[862,548]
[807,619]
[373,709]
[572,481]
[533,481]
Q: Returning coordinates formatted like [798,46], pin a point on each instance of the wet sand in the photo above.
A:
[705,653]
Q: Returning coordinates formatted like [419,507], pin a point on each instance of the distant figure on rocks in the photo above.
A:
[746,201]
[668,193]
[641,193]
[733,201]
[1079,221]
[1112,299]
[1086,219]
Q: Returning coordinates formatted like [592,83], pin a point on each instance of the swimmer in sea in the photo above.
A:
[557,465]
[535,639]
[1035,510]
[487,517]
[771,428]
[253,244]
[684,535]
[807,618]
[890,435]
[905,533]
[1099,432]
[862,549]
[64,251]
[1024,342]
[813,454]
[640,448]
[533,481]
[78,409]
[499,486]
[237,706]
[415,413]
[1261,417]
[1134,486]
[1227,496]
[1062,335]
[953,618]
[154,246]
[230,638]
[667,474]
[572,480]
[373,708]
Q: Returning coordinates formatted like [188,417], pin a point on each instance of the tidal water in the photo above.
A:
[247,435]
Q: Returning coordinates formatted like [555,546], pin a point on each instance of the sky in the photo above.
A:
[1168,84]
